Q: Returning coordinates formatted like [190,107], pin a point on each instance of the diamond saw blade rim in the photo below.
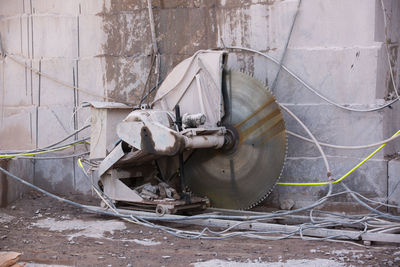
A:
[263,198]
[270,182]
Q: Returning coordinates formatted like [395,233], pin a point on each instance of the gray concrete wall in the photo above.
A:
[104,46]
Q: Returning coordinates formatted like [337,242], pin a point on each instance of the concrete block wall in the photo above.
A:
[394,182]
[104,46]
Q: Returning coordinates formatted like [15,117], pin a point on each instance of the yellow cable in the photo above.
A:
[103,199]
[40,152]
[80,164]
[347,174]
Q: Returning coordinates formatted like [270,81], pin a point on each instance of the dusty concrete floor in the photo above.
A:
[49,232]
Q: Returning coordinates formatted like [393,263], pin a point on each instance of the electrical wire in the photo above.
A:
[388,50]
[37,72]
[41,152]
[203,234]
[81,106]
[307,86]
[384,215]
[99,192]
[153,59]
[345,175]
[320,223]
[48,146]
[55,157]
[286,47]
[149,93]
[247,234]
[328,170]
[344,147]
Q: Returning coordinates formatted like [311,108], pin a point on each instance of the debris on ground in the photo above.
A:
[9,258]
[67,236]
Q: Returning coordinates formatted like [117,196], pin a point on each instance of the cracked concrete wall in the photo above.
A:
[104,46]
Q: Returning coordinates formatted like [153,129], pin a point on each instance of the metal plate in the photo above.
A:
[242,178]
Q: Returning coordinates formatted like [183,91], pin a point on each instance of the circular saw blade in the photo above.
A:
[244,176]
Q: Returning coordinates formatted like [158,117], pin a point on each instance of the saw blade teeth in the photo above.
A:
[277,180]
[260,117]
[262,199]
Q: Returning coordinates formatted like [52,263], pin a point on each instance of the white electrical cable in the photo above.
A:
[328,169]
[388,50]
[286,47]
[48,146]
[309,87]
[53,157]
[344,147]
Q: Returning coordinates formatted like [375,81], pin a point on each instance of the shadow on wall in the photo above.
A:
[3,184]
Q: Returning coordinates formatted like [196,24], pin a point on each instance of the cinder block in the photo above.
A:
[54,123]
[55,36]
[392,125]
[11,34]
[394,181]
[344,75]
[121,6]
[392,11]
[18,83]
[56,175]
[259,26]
[361,129]
[17,128]
[331,125]
[26,35]
[126,77]
[92,7]
[70,7]
[91,73]
[128,34]
[184,31]
[331,30]
[11,8]
[92,36]
[245,3]
[101,7]
[11,189]
[257,66]
[54,93]
[175,4]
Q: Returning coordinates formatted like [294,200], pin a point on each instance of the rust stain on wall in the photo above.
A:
[126,49]
[182,28]
[394,53]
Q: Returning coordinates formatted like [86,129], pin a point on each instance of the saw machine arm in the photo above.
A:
[154,132]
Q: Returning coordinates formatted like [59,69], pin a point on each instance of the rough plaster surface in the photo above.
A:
[104,47]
